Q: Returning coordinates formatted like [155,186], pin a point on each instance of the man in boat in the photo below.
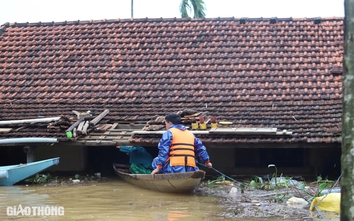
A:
[179,149]
[139,159]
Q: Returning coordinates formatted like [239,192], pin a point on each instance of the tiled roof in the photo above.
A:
[283,73]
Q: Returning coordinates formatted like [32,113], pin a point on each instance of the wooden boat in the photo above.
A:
[170,183]
[12,174]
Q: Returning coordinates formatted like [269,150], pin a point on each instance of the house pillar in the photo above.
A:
[30,153]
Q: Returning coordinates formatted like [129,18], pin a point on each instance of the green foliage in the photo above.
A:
[279,182]
[198,7]
[275,174]
[280,198]
[287,182]
[90,177]
[258,183]
[86,178]
[218,179]
[322,184]
[41,178]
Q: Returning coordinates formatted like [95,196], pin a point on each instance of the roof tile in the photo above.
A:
[256,72]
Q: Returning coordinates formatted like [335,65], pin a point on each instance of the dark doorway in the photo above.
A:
[101,159]
[12,155]
[262,157]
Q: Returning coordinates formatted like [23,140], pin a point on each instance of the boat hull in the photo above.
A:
[170,183]
[12,174]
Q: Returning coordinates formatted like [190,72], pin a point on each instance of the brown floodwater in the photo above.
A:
[113,199]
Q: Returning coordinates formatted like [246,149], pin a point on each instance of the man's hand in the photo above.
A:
[118,147]
[154,172]
[209,165]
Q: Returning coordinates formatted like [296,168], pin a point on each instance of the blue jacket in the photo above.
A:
[164,149]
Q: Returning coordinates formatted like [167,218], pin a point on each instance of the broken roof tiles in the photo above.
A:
[279,72]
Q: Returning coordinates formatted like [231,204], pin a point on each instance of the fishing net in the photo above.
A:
[139,169]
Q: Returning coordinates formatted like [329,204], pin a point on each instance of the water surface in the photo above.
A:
[112,199]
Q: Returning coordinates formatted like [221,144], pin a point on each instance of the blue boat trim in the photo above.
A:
[12,174]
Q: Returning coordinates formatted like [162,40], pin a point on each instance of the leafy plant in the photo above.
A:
[275,174]
[92,177]
[258,183]
[41,178]
[86,177]
[218,179]
[322,184]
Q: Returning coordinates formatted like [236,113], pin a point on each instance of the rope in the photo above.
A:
[227,176]
[318,211]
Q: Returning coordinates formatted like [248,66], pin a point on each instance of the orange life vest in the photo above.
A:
[182,148]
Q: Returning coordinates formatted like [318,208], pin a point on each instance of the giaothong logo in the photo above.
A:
[35,210]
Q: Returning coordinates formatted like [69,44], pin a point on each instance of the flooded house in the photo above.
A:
[256,91]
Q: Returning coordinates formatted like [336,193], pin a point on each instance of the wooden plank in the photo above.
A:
[99,117]
[120,130]
[20,128]
[103,127]
[74,125]
[111,133]
[84,128]
[163,131]
[81,125]
[113,126]
[105,138]
[243,130]
[5,130]
[130,126]
[103,142]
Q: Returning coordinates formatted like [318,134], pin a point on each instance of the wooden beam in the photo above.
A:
[5,130]
[99,117]
[113,126]
[243,130]
[74,132]
[84,128]
[81,125]
[163,131]
[75,124]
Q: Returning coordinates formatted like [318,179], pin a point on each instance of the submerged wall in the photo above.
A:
[238,160]
[72,158]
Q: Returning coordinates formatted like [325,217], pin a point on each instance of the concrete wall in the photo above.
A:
[222,158]
[250,160]
[71,158]
[310,162]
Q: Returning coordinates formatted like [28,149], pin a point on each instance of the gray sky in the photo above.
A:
[72,10]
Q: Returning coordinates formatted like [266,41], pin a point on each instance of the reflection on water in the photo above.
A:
[110,200]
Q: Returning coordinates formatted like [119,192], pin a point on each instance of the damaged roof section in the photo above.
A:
[256,73]
[62,128]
